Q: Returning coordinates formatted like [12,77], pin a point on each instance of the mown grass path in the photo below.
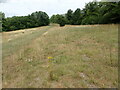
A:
[14,41]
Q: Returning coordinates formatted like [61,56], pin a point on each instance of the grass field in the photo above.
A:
[61,57]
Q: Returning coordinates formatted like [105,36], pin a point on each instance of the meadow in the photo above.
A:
[79,56]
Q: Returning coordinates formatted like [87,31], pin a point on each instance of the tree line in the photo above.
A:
[92,13]
[35,19]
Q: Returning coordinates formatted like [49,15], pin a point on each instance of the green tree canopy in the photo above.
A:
[69,16]
[76,17]
[21,22]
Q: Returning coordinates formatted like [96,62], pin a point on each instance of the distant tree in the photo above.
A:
[101,13]
[2,17]
[89,20]
[76,19]
[110,12]
[53,19]
[69,16]
[91,13]
[34,20]
[61,20]
[40,18]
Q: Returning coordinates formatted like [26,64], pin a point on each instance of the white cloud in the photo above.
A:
[25,7]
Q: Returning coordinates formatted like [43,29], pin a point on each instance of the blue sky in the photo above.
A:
[25,7]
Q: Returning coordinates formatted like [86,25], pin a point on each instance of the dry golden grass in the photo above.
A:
[61,57]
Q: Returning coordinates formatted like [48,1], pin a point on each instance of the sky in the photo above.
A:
[25,7]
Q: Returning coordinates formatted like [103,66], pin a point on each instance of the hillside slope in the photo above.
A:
[61,57]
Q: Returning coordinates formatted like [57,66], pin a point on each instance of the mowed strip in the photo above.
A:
[15,40]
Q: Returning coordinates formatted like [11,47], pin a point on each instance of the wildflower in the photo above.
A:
[50,57]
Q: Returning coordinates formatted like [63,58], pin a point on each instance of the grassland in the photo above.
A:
[61,57]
